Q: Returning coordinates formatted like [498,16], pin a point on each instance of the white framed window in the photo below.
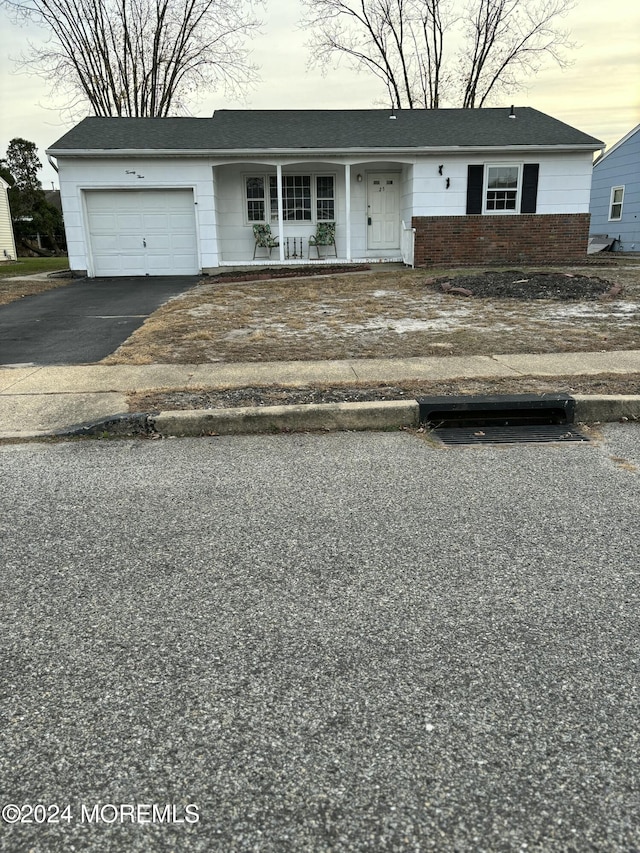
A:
[254,190]
[305,198]
[325,198]
[502,188]
[615,204]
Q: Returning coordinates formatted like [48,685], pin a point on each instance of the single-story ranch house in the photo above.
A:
[152,196]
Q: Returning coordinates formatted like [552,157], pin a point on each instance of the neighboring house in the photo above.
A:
[7,241]
[52,197]
[180,195]
[615,194]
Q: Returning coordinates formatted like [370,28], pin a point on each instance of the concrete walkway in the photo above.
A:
[45,401]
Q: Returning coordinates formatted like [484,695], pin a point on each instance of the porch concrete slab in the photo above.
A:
[573,363]
[33,415]
[410,369]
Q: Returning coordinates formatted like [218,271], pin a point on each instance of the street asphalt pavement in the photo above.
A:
[84,321]
[313,643]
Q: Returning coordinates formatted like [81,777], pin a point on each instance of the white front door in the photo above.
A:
[142,232]
[383,211]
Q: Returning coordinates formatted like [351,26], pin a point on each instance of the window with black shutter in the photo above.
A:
[529,198]
[475,180]
[499,188]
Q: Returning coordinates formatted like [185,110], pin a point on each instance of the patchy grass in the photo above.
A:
[11,290]
[387,312]
[31,266]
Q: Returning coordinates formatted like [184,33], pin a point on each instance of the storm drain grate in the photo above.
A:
[508,435]
[501,419]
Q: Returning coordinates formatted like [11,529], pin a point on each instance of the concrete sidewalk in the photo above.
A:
[46,401]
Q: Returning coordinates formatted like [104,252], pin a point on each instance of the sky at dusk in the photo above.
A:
[599,93]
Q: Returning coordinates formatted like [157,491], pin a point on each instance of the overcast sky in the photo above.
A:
[599,93]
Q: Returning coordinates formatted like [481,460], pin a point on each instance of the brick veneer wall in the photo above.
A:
[527,238]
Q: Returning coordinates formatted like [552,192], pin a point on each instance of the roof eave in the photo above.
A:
[314,152]
[616,145]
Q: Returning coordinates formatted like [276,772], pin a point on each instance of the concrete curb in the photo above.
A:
[375,415]
[381,415]
[603,408]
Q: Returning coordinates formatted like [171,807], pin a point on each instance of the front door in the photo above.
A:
[383,211]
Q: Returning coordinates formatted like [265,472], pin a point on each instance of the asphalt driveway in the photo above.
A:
[84,321]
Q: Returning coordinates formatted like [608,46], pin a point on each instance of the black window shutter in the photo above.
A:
[475,179]
[529,188]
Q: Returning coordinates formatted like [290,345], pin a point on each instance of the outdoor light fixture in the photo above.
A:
[359,178]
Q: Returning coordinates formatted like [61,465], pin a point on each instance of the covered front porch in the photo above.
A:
[364,202]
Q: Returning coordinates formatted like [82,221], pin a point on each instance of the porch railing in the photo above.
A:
[407,241]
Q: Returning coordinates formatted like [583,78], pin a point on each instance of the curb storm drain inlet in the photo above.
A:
[500,419]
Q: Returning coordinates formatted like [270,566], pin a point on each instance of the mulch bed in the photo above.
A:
[514,284]
[286,272]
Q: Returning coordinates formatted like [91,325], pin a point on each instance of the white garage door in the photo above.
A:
[142,232]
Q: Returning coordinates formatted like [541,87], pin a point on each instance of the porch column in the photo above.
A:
[347,205]
[280,211]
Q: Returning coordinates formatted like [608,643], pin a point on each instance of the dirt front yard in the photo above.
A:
[392,312]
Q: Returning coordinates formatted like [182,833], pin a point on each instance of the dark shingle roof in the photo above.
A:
[334,130]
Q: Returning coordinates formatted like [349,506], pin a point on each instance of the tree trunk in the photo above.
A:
[33,247]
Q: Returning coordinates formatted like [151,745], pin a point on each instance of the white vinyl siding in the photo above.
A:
[564,183]
[7,244]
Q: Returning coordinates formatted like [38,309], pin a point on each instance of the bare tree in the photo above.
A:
[429,53]
[140,57]
[510,40]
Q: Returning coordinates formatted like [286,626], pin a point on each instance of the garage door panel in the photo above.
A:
[130,222]
[179,265]
[102,243]
[103,222]
[159,242]
[121,222]
[158,222]
[115,265]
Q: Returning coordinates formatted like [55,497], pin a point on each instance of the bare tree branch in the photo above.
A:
[428,53]
[141,57]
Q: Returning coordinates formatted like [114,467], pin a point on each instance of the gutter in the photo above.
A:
[311,152]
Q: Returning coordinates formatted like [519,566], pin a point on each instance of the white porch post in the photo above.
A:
[280,211]
[347,205]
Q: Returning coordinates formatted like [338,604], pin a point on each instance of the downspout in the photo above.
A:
[52,164]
